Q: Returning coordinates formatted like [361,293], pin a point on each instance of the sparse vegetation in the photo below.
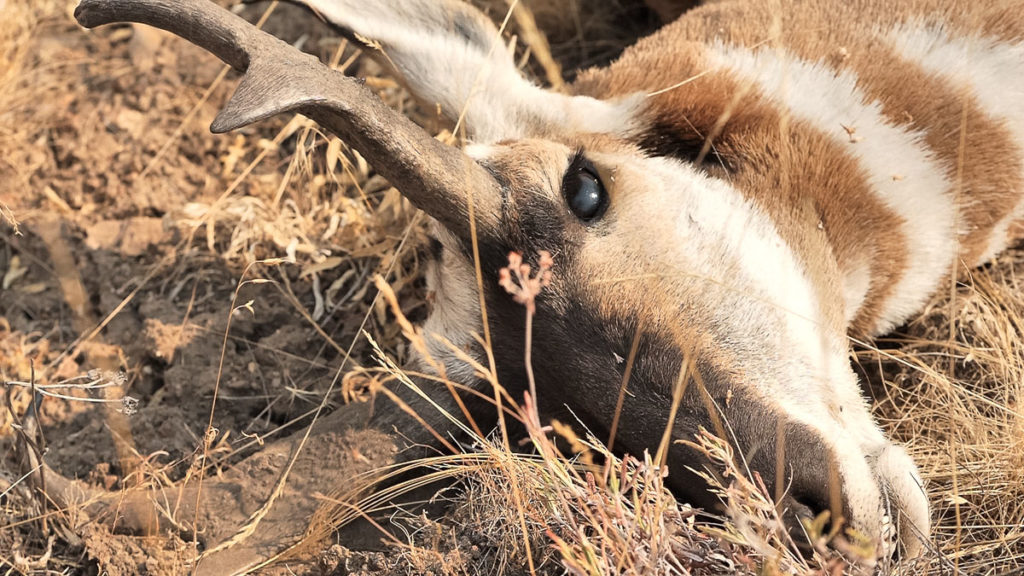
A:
[125,229]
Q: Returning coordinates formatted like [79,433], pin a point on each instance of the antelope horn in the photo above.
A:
[436,178]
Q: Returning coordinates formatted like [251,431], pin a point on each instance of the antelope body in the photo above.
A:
[730,200]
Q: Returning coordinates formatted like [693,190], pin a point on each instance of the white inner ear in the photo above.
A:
[451,54]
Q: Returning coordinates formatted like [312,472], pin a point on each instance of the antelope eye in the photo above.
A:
[584,191]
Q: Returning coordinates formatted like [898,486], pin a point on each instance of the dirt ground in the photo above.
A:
[130,238]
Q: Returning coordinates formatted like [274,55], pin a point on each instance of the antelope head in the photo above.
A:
[672,283]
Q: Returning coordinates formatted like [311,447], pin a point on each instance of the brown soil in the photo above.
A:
[109,185]
[126,230]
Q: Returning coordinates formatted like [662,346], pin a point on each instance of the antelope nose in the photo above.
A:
[875,493]
[812,485]
[906,501]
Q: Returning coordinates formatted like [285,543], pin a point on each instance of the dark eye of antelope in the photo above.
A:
[584,192]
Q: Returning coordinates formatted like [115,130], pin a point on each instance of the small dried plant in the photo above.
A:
[94,381]
[519,280]
[570,506]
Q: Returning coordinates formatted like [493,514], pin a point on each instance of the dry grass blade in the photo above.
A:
[964,426]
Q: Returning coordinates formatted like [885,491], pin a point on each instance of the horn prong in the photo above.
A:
[266,90]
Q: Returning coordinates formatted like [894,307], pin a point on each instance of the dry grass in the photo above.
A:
[110,127]
[950,387]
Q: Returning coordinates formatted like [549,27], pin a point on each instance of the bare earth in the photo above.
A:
[130,237]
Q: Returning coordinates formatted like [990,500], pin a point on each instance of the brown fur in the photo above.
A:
[830,191]
[991,163]
[822,183]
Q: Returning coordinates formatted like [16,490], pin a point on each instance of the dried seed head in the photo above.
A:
[518,279]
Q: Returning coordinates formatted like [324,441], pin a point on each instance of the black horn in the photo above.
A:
[437,178]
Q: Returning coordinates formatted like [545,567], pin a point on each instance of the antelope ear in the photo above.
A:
[451,54]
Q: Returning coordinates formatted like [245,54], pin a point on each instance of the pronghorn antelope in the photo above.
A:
[725,205]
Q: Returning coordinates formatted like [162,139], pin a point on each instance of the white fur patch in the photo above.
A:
[900,169]
[993,71]
[819,374]
[897,471]
[455,315]
[855,286]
